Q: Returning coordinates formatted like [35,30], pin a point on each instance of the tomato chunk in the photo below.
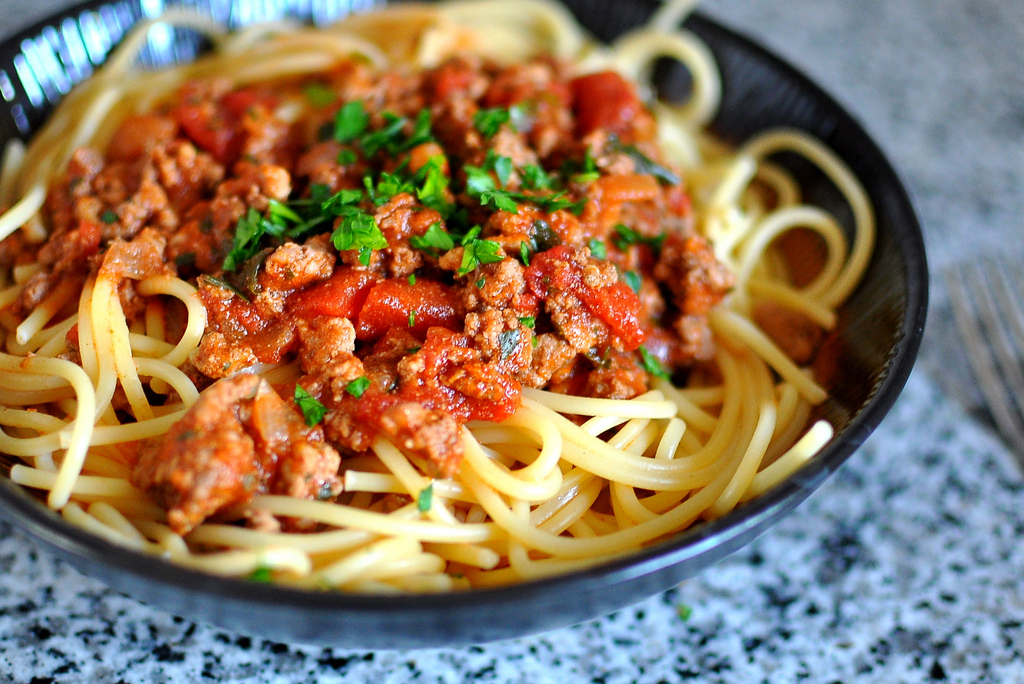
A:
[616,305]
[396,303]
[604,100]
[343,294]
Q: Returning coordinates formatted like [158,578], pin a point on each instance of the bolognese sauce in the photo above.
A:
[424,244]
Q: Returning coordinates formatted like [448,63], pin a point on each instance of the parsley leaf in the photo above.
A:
[249,230]
[347,157]
[108,216]
[476,252]
[489,121]
[536,178]
[644,164]
[390,138]
[412,279]
[626,236]
[262,574]
[318,94]
[528,321]
[431,186]
[652,365]
[589,172]
[358,230]
[597,249]
[389,185]
[312,410]
[435,241]
[524,253]
[632,279]
[425,498]
[412,318]
[350,122]
[358,386]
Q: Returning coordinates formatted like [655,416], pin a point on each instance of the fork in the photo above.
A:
[987,297]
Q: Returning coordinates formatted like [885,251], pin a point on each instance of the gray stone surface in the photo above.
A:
[903,567]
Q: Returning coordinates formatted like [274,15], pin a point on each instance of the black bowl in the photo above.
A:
[878,339]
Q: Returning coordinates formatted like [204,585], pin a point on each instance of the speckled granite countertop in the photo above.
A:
[904,567]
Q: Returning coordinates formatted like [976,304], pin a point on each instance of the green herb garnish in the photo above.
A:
[425,498]
[597,249]
[312,410]
[632,279]
[318,95]
[652,365]
[358,386]
[435,241]
[489,121]
[350,122]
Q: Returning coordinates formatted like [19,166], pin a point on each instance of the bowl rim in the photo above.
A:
[29,515]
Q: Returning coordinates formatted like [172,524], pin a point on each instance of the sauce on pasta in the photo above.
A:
[435,298]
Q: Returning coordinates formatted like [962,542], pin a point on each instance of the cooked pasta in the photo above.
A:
[435,298]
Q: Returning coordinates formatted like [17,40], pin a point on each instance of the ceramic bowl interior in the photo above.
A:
[873,351]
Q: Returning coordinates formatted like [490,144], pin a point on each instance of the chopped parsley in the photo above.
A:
[350,122]
[632,279]
[480,185]
[262,574]
[476,252]
[645,165]
[481,282]
[432,184]
[388,185]
[536,178]
[524,253]
[489,120]
[390,137]
[347,157]
[528,321]
[357,229]
[358,386]
[597,249]
[249,230]
[626,236]
[312,410]
[425,498]
[318,94]
[412,279]
[652,365]
[412,318]
[108,216]
[435,241]
[589,172]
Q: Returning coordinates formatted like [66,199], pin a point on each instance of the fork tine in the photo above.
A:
[975,314]
[1008,301]
[996,315]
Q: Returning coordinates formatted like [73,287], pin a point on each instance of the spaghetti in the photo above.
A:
[426,300]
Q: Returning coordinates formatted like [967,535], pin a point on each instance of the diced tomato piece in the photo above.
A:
[616,305]
[210,129]
[393,303]
[239,102]
[451,78]
[343,294]
[604,100]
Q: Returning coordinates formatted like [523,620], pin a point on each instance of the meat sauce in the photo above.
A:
[424,245]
